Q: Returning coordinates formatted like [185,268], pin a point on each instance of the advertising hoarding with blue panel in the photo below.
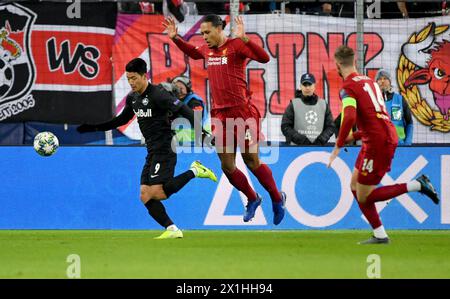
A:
[98,188]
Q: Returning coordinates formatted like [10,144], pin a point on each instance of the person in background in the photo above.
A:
[397,108]
[362,103]
[193,101]
[307,119]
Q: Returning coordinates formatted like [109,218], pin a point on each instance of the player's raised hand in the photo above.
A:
[333,155]
[239,29]
[171,27]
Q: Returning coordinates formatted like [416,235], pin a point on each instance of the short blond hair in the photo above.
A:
[344,55]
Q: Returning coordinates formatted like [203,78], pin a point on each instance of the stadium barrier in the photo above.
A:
[97,187]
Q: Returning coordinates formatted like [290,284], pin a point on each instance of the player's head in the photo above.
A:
[307,84]
[345,59]
[211,29]
[184,85]
[136,74]
[383,79]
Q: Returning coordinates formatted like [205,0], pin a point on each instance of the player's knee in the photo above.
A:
[147,195]
[362,199]
[228,168]
[159,195]
[251,162]
[144,196]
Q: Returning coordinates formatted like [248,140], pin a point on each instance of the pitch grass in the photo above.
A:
[222,254]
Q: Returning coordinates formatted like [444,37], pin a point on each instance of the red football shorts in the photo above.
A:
[239,125]
[374,161]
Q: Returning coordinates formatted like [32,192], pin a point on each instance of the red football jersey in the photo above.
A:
[226,69]
[372,118]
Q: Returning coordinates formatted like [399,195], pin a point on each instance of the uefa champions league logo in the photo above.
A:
[311,117]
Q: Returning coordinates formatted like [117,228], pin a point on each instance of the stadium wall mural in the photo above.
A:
[299,44]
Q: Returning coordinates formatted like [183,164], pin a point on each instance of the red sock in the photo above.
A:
[386,192]
[370,212]
[240,182]
[265,178]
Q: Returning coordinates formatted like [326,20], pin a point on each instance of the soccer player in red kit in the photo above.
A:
[362,103]
[226,60]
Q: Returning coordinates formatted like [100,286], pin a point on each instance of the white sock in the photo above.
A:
[413,186]
[194,170]
[172,228]
[380,233]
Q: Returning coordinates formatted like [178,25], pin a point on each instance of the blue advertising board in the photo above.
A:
[97,187]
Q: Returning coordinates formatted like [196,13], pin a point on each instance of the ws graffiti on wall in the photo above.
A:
[298,44]
[54,68]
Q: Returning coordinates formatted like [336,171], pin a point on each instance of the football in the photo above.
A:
[46,144]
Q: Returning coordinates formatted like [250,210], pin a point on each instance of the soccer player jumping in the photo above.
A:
[231,100]
[155,108]
[363,104]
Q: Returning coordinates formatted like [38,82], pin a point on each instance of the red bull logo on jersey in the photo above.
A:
[426,61]
[143,113]
[17,70]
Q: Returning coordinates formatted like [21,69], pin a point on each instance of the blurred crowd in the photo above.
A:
[388,9]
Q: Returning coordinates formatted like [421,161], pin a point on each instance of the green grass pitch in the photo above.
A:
[222,254]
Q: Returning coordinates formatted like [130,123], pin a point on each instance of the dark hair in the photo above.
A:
[345,55]
[215,20]
[136,65]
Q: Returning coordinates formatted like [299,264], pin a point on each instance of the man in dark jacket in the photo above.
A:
[307,119]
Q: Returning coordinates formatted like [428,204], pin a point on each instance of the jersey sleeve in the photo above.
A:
[165,100]
[348,115]
[253,51]
[188,49]
[346,92]
[124,117]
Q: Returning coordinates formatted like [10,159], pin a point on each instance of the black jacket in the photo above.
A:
[287,123]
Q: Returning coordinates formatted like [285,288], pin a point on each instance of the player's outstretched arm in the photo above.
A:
[250,49]
[120,120]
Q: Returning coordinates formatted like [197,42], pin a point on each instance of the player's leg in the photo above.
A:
[375,165]
[151,196]
[264,175]
[236,177]
[155,173]
[368,210]
[226,150]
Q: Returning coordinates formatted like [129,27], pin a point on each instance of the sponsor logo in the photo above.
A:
[17,69]
[217,60]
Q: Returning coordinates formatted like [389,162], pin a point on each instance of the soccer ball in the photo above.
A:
[45,144]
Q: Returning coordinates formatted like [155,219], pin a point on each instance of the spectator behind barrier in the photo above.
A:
[307,119]
[397,108]
[193,101]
